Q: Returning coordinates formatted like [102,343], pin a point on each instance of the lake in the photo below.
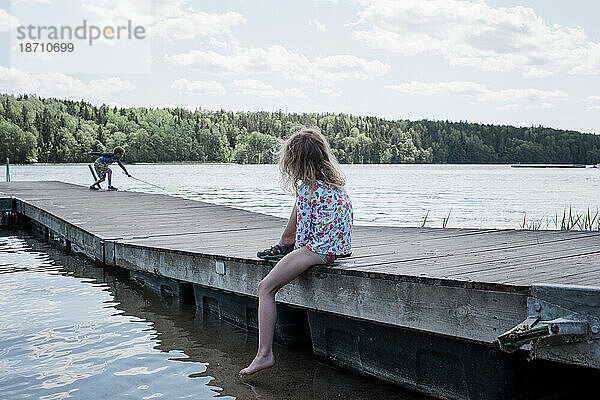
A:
[476,196]
[71,329]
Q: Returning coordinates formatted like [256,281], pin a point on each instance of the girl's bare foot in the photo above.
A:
[258,364]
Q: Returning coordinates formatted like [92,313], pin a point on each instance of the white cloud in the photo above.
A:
[530,97]
[206,61]
[542,97]
[474,34]
[217,43]
[508,107]
[208,88]
[330,92]
[317,25]
[169,19]
[140,12]
[7,21]
[278,59]
[196,24]
[595,99]
[295,92]
[436,88]
[17,81]
[589,60]
[342,67]
[255,87]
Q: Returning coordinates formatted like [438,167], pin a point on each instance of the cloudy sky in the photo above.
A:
[495,61]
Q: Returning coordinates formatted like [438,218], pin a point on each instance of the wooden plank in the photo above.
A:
[558,271]
[456,262]
[450,310]
[491,256]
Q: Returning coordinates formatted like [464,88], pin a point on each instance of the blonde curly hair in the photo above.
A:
[307,157]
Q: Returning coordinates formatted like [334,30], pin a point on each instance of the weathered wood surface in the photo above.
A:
[505,257]
[467,283]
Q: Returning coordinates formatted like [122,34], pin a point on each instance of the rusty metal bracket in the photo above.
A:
[562,324]
[522,334]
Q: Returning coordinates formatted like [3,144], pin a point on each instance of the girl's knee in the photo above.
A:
[261,288]
[264,288]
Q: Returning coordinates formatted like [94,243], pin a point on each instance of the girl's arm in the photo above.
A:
[288,237]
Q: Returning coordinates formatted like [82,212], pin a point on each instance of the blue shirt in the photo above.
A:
[108,158]
[105,158]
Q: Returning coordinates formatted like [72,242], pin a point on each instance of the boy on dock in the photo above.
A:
[101,166]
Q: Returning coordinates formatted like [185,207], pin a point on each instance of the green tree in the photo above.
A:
[16,144]
[256,148]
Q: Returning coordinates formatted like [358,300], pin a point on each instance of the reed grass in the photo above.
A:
[570,220]
[446,219]
[424,220]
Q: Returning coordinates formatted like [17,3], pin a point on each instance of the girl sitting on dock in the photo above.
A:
[319,229]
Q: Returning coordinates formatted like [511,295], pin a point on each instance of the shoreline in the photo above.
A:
[540,165]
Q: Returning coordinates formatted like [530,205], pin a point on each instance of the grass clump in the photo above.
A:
[570,220]
[444,220]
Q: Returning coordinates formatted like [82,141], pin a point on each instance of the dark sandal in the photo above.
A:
[276,252]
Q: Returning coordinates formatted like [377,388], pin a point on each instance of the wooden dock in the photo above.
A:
[421,307]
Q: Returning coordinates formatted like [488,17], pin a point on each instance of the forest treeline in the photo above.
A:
[34,129]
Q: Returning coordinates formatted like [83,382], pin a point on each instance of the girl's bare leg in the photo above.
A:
[109,177]
[287,269]
[288,237]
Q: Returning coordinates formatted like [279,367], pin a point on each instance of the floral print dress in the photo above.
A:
[324,220]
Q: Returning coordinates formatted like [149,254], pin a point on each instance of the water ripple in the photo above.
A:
[64,333]
[60,334]
[490,196]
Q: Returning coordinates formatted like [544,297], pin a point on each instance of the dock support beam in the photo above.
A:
[440,366]
[291,328]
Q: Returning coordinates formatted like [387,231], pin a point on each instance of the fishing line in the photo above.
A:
[172,187]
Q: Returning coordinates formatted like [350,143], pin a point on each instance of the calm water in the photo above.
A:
[69,329]
[476,196]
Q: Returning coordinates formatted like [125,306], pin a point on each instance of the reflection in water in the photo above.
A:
[70,329]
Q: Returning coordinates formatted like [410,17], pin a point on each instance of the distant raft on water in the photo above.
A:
[518,165]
